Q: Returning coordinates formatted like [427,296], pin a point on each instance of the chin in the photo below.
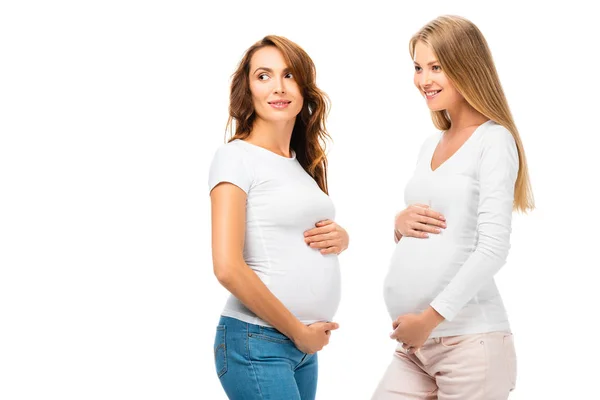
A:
[284,116]
[281,118]
[434,107]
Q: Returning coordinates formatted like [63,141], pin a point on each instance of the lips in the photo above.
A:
[279,104]
[430,94]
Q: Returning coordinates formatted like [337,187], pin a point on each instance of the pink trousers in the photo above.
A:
[467,367]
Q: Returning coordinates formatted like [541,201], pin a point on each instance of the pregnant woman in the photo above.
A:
[453,237]
[274,241]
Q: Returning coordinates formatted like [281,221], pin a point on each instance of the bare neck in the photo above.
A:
[273,136]
[463,117]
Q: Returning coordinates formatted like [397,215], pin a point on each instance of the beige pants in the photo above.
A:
[467,367]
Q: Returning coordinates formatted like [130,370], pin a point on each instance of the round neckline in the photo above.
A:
[292,158]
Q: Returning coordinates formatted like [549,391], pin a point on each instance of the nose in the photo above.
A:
[425,79]
[279,86]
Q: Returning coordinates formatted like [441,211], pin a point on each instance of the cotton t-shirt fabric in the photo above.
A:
[283,201]
[453,271]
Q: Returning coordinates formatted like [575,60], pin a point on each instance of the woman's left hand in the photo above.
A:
[413,330]
[328,236]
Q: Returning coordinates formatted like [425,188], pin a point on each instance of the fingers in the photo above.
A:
[330,326]
[426,228]
[430,213]
[329,243]
[320,230]
[324,222]
[325,326]
[417,234]
[419,221]
[319,238]
[331,250]
[325,244]
[430,221]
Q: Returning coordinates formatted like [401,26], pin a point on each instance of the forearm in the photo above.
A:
[247,287]
[478,270]
[432,318]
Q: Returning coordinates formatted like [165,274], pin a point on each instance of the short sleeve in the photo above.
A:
[229,165]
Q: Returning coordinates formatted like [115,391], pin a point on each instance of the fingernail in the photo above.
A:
[444,224]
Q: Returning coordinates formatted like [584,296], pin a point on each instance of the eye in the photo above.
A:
[289,75]
[417,68]
[263,77]
[436,68]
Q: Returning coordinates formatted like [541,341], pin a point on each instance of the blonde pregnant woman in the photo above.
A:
[453,237]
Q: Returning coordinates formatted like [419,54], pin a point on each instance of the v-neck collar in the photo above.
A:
[457,150]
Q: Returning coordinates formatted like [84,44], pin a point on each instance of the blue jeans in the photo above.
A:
[255,362]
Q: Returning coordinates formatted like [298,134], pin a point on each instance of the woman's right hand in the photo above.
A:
[314,337]
[417,220]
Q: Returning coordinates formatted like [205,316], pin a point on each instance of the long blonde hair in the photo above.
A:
[467,61]
[309,135]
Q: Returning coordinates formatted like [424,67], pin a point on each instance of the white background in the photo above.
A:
[110,113]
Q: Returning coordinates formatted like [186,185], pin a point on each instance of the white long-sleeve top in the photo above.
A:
[454,271]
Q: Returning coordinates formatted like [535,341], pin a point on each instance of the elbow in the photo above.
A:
[495,248]
[222,275]
[224,270]
[496,257]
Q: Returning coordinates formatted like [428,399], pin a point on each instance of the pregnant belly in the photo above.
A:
[419,270]
[307,284]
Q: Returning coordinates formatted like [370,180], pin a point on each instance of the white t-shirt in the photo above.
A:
[283,201]
[453,271]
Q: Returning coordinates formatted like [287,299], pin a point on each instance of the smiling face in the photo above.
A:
[276,95]
[432,82]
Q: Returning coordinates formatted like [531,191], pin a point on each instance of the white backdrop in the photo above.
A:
[110,113]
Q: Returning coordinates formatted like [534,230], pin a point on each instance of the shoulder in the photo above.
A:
[495,134]
[231,150]
[498,148]
[232,153]
[229,165]
[431,140]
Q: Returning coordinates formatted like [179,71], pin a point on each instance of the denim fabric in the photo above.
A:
[255,362]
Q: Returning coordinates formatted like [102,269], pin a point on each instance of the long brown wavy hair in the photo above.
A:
[467,61]
[309,135]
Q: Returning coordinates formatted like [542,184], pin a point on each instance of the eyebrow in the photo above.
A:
[429,63]
[269,70]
